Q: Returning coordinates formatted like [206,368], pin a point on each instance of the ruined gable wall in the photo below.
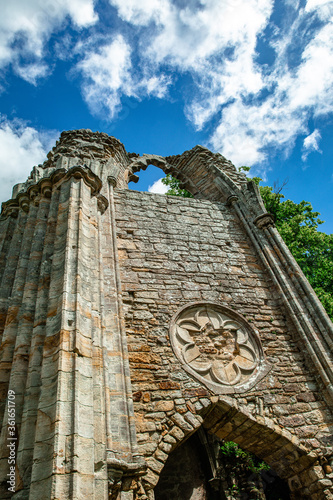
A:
[63,290]
[174,251]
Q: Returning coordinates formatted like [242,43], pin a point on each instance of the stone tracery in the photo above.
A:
[218,347]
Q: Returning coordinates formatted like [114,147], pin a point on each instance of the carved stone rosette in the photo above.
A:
[218,347]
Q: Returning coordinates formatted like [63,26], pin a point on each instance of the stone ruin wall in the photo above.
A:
[174,251]
[93,276]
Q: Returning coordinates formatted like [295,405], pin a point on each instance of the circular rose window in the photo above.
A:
[218,347]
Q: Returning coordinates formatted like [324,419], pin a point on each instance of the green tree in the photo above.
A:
[298,225]
[231,450]
[313,250]
[174,189]
[241,471]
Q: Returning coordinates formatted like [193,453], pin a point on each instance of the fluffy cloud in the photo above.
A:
[21,147]
[157,85]
[32,73]
[270,111]
[158,187]
[257,108]
[188,36]
[107,76]
[312,85]
[254,84]
[26,26]
[247,132]
[324,8]
[311,143]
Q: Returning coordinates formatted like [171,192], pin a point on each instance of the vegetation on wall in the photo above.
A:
[298,225]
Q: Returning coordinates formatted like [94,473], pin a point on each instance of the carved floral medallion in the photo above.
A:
[218,347]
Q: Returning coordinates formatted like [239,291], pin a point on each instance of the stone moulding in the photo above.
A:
[306,312]
[264,220]
[122,475]
[45,186]
[218,347]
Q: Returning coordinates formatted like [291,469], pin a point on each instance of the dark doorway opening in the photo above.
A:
[197,470]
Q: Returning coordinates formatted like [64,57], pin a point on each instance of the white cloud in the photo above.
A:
[216,43]
[251,127]
[158,187]
[21,148]
[143,12]
[313,4]
[156,85]
[187,36]
[26,26]
[246,132]
[312,85]
[32,72]
[81,11]
[257,108]
[107,76]
[311,143]
[323,8]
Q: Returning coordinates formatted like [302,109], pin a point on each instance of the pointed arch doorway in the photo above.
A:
[197,470]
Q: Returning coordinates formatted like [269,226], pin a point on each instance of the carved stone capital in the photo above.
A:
[10,208]
[33,193]
[83,172]
[56,176]
[112,180]
[264,220]
[102,203]
[24,201]
[13,212]
[122,474]
[231,200]
[114,483]
[46,188]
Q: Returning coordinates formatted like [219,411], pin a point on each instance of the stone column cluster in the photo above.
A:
[64,353]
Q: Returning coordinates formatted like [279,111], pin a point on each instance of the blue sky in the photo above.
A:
[251,79]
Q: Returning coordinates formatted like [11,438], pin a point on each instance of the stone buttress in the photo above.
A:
[64,350]
[205,321]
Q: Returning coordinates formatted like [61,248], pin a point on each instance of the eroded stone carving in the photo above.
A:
[218,347]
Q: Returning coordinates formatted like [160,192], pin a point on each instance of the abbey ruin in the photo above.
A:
[139,330]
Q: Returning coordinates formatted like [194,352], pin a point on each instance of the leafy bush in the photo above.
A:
[245,459]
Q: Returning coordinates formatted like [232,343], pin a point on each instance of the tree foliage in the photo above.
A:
[174,188]
[249,461]
[298,225]
[241,472]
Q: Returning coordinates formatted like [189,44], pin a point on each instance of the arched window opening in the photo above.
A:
[149,180]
